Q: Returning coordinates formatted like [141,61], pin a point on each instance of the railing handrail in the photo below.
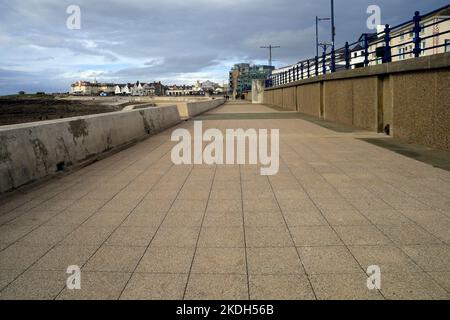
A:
[369,43]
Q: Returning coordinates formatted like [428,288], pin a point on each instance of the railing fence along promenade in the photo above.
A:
[341,59]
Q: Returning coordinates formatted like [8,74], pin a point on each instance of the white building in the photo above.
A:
[137,90]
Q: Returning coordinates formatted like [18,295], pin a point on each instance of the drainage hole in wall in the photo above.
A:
[60,166]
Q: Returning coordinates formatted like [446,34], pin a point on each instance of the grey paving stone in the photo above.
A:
[435,258]
[225,237]
[411,286]
[328,260]
[315,236]
[35,285]
[88,236]
[115,259]
[217,287]
[132,236]
[268,237]
[349,286]
[176,237]
[61,257]
[273,261]
[388,258]
[97,286]
[143,286]
[362,235]
[166,260]
[280,287]
[219,261]
[20,257]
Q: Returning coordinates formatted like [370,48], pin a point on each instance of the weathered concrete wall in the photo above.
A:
[29,152]
[268,97]
[410,97]
[387,104]
[290,98]
[337,101]
[365,103]
[309,99]
[192,109]
[278,98]
[422,108]
[257,94]
[352,102]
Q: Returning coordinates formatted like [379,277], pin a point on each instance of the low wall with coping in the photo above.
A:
[409,97]
[192,109]
[32,151]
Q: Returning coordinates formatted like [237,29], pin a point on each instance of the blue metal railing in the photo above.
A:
[368,50]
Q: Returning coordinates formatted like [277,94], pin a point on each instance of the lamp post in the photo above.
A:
[270,47]
[317,32]
[333,36]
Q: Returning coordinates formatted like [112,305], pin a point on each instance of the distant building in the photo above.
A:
[198,89]
[153,89]
[401,39]
[242,74]
[137,90]
[84,88]
[87,88]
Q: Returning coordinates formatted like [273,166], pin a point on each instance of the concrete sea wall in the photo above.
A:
[32,151]
[410,97]
[192,109]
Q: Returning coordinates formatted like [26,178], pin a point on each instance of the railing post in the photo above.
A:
[309,67]
[301,66]
[387,45]
[347,56]
[366,50]
[417,29]
[324,60]
[316,66]
[333,59]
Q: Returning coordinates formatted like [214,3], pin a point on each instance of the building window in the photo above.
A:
[402,53]
[447,45]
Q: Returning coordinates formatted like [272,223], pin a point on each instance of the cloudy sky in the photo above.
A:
[174,41]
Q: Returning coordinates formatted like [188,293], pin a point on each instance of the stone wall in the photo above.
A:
[32,151]
[290,99]
[309,99]
[192,109]
[411,97]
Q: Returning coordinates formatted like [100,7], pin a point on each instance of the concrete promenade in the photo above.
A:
[142,228]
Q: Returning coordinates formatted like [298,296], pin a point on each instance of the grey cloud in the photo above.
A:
[166,39]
